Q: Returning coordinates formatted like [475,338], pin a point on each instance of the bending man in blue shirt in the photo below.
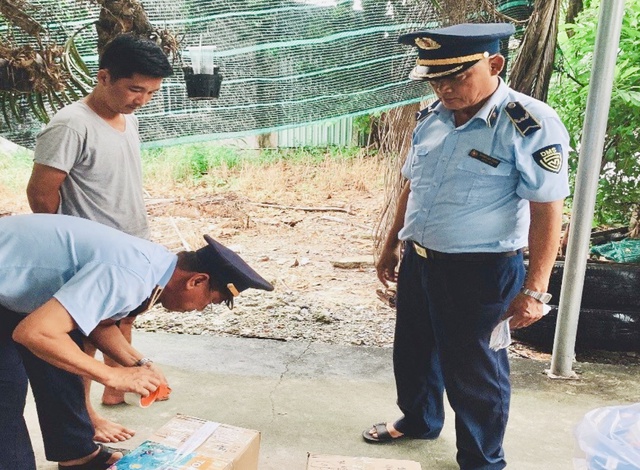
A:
[64,279]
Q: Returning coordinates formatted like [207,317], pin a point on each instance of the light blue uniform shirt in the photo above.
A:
[94,271]
[461,204]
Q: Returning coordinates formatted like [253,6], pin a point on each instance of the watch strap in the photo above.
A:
[543,297]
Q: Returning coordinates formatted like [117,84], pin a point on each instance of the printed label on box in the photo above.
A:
[187,442]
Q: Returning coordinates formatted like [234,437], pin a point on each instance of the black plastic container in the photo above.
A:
[202,86]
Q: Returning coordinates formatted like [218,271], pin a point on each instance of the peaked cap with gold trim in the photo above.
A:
[451,50]
[228,268]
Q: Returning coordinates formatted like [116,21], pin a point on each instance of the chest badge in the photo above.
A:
[484,158]
[549,158]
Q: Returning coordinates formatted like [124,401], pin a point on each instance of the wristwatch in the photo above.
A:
[543,297]
[143,361]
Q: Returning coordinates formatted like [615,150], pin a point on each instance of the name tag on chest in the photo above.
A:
[484,158]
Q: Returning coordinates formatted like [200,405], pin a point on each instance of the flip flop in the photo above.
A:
[99,462]
[383,435]
[388,296]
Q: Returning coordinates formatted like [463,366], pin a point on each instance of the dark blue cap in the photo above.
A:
[229,269]
[451,50]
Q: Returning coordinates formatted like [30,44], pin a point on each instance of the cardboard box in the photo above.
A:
[340,462]
[187,442]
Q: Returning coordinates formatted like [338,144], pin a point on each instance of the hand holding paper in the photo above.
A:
[501,334]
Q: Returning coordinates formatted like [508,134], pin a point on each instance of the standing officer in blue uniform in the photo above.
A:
[65,279]
[486,176]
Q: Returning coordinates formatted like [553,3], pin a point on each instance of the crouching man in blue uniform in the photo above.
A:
[64,279]
[485,177]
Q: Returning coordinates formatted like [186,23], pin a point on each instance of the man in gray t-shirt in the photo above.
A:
[98,165]
[87,163]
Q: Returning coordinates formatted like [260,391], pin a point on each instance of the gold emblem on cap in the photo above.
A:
[452,71]
[453,60]
[427,44]
[233,289]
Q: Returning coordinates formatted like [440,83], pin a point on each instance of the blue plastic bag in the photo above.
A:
[609,439]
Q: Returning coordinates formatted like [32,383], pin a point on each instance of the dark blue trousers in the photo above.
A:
[446,311]
[67,431]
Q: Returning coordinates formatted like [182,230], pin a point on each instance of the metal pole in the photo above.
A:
[591,146]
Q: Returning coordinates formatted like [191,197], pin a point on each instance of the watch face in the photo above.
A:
[545,298]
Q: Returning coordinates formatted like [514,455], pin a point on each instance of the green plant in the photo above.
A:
[15,168]
[208,163]
[619,189]
[187,163]
[365,127]
[308,155]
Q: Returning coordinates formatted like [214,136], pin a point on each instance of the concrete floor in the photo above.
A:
[318,398]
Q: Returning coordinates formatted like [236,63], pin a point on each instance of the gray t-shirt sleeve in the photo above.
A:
[59,146]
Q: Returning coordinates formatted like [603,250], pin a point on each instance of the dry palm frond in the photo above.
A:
[15,12]
[470,11]
[24,69]
[33,79]
[128,16]
[395,129]
[532,68]
[47,76]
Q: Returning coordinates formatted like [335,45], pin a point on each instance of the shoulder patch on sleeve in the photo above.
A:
[524,122]
[549,158]
[423,113]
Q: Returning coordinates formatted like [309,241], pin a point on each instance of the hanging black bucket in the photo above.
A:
[203,86]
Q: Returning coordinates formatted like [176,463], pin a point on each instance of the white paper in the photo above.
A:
[501,334]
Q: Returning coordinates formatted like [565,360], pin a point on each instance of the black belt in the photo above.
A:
[432,254]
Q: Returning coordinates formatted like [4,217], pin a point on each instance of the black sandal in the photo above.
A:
[99,462]
[382,434]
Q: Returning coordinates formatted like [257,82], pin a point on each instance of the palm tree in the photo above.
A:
[41,76]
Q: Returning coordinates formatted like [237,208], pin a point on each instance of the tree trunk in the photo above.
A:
[265,141]
[573,10]
[532,68]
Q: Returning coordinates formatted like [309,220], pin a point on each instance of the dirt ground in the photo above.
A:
[318,253]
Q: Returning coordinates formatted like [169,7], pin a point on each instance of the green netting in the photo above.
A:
[623,251]
[284,63]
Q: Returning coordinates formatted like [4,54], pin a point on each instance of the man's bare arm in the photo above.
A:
[388,260]
[43,190]
[544,239]
[45,332]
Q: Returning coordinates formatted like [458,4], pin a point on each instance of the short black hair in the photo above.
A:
[127,54]
[189,261]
